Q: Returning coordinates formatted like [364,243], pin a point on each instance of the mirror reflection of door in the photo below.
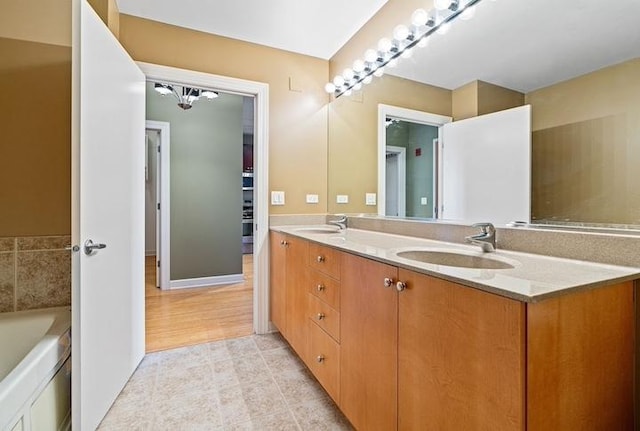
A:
[410,168]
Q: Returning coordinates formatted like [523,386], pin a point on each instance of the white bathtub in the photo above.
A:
[34,345]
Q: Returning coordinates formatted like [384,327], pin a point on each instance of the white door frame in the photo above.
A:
[402,178]
[163,245]
[261,169]
[404,114]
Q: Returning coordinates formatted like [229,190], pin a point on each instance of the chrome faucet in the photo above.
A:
[485,239]
[340,222]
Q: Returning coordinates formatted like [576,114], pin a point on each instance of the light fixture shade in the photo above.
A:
[330,87]
[209,94]
[371,55]
[162,89]
[400,33]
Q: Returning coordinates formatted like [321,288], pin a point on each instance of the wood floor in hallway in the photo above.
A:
[184,317]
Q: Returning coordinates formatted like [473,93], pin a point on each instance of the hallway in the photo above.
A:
[184,317]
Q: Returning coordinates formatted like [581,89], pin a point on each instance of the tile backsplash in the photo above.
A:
[35,272]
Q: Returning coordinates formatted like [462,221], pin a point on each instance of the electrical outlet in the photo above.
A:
[370,199]
[312,199]
[342,199]
[424,201]
[277,198]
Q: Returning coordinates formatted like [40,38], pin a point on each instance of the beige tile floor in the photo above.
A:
[249,383]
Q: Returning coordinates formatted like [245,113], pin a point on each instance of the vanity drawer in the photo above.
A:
[324,287]
[325,259]
[324,316]
[324,360]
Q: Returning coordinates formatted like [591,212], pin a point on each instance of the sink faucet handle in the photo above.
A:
[485,227]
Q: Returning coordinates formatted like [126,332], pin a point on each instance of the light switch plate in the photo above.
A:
[370,199]
[277,198]
[342,199]
[424,201]
[312,199]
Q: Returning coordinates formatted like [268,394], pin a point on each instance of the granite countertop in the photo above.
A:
[532,278]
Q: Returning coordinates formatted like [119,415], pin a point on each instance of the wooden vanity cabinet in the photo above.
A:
[323,311]
[461,357]
[368,341]
[469,359]
[429,354]
[289,289]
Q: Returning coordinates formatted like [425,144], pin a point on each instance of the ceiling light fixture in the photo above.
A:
[185,95]
[423,25]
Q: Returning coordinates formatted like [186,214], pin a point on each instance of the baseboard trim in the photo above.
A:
[206,281]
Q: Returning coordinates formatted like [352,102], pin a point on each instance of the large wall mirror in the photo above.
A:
[577,64]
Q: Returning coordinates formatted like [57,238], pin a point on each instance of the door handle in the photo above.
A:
[89,246]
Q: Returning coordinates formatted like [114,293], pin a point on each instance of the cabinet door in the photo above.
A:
[277,280]
[297,295]
[368,344]
[461,357]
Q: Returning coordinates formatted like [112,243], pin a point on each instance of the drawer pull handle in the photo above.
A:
[388,282]
[400,286]
[283,242]
[320,359]
[320,287]
[320,316]
[320,259]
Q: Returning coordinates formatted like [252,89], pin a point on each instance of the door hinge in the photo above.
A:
[158,148]
[158,264]
[158,205]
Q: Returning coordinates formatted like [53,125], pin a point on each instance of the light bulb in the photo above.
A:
[419,17]
[358,66]
[444,28]
[441,4]
[393,62]
[338,81]
[367,79]
[407,53]
[330,87]
[400,33]
[371,55]
[468,13]
[423,42]
[384,45]
[348,74]
[358,86]
[379,72]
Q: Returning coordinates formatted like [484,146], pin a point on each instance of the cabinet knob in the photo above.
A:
[320,259]
[400,286]
[320,287]
[320,316]
[285,243]
[320,358]
[388,282]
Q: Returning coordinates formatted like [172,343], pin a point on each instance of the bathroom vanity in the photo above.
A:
[401,343]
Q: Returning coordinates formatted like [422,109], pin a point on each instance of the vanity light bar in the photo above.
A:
[424,24]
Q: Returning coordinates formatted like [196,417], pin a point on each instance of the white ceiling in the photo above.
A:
[315,28]
[528,44]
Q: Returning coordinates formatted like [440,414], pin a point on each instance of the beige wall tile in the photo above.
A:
[7,281]
[7,244]
[43,242]
[44,279]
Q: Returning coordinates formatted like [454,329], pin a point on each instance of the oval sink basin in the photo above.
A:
[318,230]
[458,260]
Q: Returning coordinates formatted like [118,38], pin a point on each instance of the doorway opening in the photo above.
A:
[408,162]
[210,274]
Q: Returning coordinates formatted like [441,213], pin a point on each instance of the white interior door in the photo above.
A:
[108,207]
[486,168]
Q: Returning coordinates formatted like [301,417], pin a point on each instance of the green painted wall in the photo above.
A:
[206,184]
